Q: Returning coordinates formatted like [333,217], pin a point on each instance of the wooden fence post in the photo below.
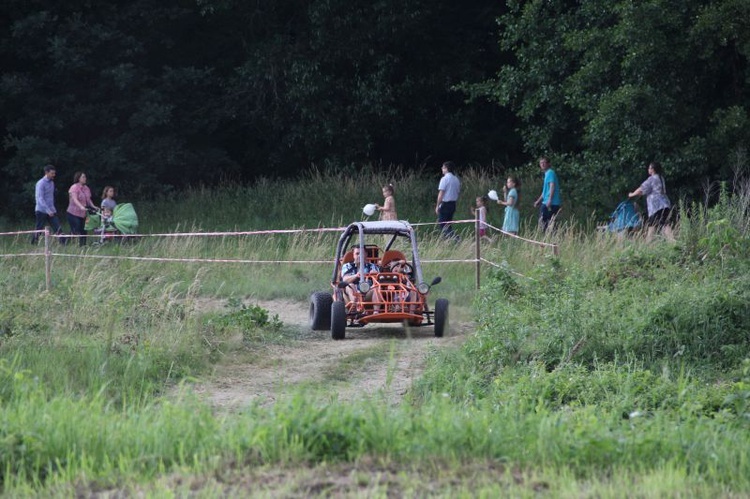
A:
[47,260]
[477,241]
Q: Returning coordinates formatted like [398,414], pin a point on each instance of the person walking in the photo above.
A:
[448,191]
[108,198]
[512,218]
[79,200]
[550,199]
[44,209]
[658,205]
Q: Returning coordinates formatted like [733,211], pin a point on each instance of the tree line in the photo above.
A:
[152,96]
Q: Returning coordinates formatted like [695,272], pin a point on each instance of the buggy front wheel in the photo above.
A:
[320,311]
[338,320]
[441,316]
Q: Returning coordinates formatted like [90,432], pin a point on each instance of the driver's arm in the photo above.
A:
[349,273]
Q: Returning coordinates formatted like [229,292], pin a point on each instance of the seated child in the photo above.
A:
[106,217]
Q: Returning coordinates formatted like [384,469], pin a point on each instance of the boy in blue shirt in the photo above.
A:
[550,200]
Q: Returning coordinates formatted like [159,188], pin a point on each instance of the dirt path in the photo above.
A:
[381,359]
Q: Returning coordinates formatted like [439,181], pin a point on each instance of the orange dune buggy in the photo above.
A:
[395,293]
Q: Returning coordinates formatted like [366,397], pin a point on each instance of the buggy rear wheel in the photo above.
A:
[320,311]
[441,316]
[338,320]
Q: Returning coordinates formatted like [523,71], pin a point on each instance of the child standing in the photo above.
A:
[480,213]
[108,198]
[388,209]
[512,216]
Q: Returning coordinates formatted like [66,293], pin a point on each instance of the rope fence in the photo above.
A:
[48,254]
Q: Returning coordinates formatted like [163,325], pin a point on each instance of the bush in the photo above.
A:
[254,322]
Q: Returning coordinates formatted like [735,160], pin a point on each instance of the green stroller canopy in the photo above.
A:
[125,218]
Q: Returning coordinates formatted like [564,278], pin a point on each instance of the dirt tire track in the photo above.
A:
[285,368]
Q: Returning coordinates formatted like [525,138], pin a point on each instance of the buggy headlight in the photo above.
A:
[423,288]
[364,287]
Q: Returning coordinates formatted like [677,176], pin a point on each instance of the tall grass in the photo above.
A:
[619,358]
[319,198]
[143,442]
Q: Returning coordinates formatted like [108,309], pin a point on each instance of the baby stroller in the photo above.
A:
[624,219]
[121,223]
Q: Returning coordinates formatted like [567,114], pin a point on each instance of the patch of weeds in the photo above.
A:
[503,282]
[723,240]
[253,321]
[633,264]
[737,403]
[21,315]
[612,388]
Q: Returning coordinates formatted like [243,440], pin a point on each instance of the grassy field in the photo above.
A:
[618,368]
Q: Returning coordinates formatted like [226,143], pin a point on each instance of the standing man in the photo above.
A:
[44,210]
[550,198]
[448,191]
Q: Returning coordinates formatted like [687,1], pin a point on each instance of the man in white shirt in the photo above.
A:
[448,192]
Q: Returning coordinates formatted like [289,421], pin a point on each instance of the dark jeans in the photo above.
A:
[663,217]
[445,214]
[43,219]
[77,225]
[546,214]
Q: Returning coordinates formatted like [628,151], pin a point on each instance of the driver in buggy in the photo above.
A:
[350,275]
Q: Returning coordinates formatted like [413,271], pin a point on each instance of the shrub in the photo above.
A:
[254,322]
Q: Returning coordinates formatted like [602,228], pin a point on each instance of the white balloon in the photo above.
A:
[369,209]
[493,195]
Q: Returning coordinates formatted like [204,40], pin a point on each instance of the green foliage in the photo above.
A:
[737,402]
[236,90]
[655,305]
[601,86]
[253,321]
[626,390]
[19,316]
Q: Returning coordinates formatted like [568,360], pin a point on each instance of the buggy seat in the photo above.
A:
[391,256]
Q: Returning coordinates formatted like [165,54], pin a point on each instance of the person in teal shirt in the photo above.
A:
[550,199]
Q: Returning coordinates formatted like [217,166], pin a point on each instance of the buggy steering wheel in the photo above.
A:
[401,268]
[407,269]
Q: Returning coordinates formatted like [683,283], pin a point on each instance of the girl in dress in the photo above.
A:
[512,215]
[388,209]
[108,198]
[480,213]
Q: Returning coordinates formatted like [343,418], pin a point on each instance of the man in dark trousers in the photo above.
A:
[448,192]
[550,199]
[44,210]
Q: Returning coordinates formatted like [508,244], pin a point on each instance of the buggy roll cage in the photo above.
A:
[395,229]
